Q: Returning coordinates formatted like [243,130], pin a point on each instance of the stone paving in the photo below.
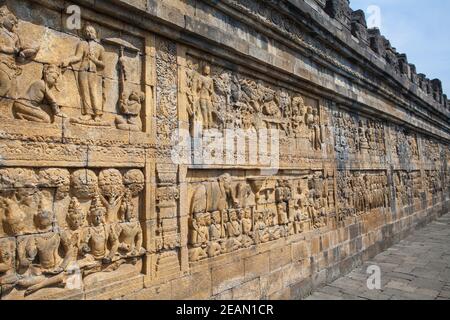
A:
[418,268]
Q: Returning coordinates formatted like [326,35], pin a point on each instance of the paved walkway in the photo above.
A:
[418,268]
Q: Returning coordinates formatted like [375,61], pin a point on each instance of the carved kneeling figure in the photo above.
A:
[199,236]
[39,94]
[131,108]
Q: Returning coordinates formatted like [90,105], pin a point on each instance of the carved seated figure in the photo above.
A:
[261,232]
[95,243]
[131,109]
[39,255]
[275,231]
[319,217]
[297,220]
[247,227]
[234,232]
[216,235]
[14,217]
[130,231]
[198,237]
[30,107]
[7,275]
[74,235]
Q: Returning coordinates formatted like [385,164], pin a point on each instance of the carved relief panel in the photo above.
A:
[360,192]
[228,213]
[91,78]
[404,145]
[251,113]
[408,187]
[431,150]
[357,136]
[433,183]
[57,225]
[166,91]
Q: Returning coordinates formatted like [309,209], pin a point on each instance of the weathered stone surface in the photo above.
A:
[178,149]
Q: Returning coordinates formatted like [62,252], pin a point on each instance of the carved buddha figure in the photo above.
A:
[11,52]
[296,219]
[30,107]
[247,224]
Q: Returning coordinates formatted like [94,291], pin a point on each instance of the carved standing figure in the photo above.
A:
[203,87]
[90,54]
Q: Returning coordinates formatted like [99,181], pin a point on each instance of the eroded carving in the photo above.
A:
[65,221]
[89,54]
[360,192]
[229,214]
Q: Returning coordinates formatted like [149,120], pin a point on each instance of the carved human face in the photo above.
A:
[207,220]
[62,192]
[76,221]
[10,22]
[216,217]
[97,217]
[90,33]
[130,214]
[44,219]
[26,195]
[206,70]
[51,78]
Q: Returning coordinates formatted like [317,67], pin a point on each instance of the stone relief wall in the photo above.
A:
[231,213]
[94,202]
[60,226]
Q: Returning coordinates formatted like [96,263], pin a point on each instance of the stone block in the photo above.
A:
[227,276]
[280,257]
[256,265]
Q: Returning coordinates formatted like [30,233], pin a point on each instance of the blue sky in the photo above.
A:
[420,29]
